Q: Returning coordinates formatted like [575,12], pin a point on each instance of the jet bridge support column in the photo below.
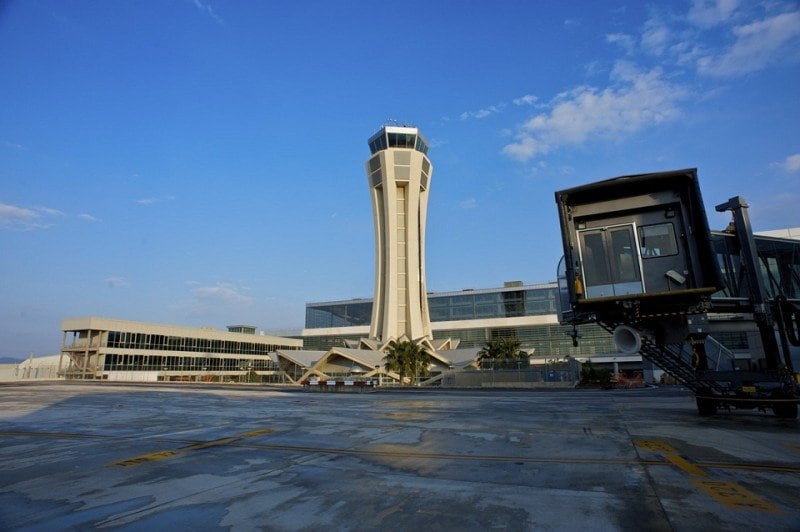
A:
[749,264]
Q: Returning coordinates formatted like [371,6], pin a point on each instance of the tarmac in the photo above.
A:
[206,457]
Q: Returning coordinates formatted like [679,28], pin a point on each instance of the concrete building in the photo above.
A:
[43,368]
[102,348]
[399,173]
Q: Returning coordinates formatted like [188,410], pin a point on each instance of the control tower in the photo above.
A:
[399,174]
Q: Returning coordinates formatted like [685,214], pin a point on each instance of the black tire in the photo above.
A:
[785,410]
[706,407]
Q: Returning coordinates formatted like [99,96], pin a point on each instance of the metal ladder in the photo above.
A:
[676,360]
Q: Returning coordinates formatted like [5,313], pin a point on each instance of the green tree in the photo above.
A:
[407,359]
[502,351]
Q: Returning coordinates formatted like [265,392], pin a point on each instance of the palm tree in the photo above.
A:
[407,359]
[502,350]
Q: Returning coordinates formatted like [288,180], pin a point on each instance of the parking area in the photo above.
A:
[204,457]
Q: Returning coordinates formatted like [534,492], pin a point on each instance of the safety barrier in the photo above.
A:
[347,385]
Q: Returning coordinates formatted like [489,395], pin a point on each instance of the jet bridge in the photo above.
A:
[640,260]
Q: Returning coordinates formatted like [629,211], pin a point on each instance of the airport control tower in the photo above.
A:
[399,174]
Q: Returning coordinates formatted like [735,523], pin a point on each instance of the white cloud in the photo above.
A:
[636,101]
[482,113]
[790,164]
[655,37]
[469,203]
[88,217]
[11,214]
[205,8]
[221,293]
[709,13]
[23,218]
[49,212]
[154,200]
[528,99]
[625,41]
[116,281]
[757,45]
[13,145]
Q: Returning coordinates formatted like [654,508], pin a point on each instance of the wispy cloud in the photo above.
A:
[757,45]
[88,217]
[204,6]
[625,41]
[468,204]
[747,44]
[13,145]
[154,200]
[221,293]
[49,212]
[528,99]
[709,13]
[636,99]
[656,37]
[115,281]
[26,219]
[215,301]
[482,113]
[791,164]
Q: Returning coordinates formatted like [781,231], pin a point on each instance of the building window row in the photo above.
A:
[127,340]
[130,362]
[510,304]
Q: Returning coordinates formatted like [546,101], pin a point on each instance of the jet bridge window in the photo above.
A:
[610,261]
[657,241]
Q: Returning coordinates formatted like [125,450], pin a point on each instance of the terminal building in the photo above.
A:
[110,349]
[529,313]
[474,317]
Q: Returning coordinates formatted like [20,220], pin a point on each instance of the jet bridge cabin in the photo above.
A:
[636,246]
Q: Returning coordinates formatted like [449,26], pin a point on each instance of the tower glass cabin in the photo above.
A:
[399,172]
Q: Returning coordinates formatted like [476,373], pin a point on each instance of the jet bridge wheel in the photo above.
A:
[706,406]
[785,409]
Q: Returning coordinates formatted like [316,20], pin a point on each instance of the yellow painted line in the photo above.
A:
[254,433]
[791,470]
[734,496]
[727,493]
[152,457]
[727,399]
[685,465]
[654,446]
[163,455]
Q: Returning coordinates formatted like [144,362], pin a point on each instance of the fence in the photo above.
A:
[565,374]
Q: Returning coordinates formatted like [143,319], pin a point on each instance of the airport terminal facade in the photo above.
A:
[474,316]
[122,350]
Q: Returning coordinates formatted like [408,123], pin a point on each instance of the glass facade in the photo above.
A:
[780,266]
[344,314]
[467,305]
[128,340]
[161,362]
[547,340]
[393,139]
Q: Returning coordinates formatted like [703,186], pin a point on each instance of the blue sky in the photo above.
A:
[200,162]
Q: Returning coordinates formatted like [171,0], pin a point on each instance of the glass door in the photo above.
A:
[610,261]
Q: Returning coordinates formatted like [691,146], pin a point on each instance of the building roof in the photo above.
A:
[301,357]
[110,324]
[551,284]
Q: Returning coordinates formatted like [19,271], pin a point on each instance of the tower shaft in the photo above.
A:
[399,174]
